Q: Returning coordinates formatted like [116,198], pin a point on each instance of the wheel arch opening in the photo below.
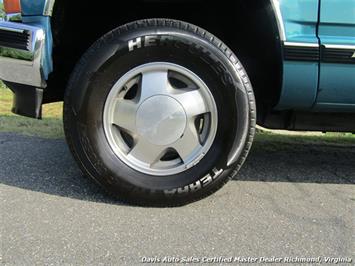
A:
[249,28]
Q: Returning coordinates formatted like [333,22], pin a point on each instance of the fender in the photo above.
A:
[37,8]
[279,21]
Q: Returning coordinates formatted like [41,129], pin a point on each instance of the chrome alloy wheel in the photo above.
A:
[160,119]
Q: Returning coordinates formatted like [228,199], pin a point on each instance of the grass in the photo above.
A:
[274,140]
[52,126]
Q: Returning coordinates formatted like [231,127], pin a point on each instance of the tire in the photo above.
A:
[148,46]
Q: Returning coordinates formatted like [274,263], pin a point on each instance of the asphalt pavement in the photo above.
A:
[290,201]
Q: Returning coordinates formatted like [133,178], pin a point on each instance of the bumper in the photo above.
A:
[21,52]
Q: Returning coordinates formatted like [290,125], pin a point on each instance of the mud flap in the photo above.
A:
[27,100]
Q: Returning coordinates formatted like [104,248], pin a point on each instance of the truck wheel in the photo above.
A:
[159,112]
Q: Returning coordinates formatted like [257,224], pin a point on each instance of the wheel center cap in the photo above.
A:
[161,120]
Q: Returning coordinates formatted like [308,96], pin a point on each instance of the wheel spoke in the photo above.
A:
[125,115]
[146,152]
[188,142]
[153,83]
[193,103]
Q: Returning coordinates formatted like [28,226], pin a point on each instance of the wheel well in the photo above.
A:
[248,27]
